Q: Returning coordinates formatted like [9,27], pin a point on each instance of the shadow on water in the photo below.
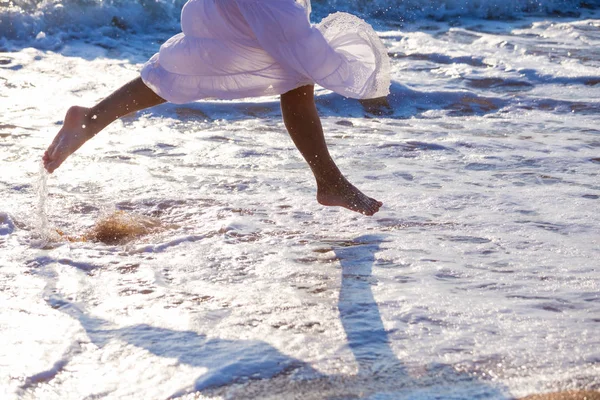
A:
[359,313]
[265,372]
[370,343]
[227,361]
[403,102]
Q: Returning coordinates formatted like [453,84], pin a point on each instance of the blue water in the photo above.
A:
[25,20]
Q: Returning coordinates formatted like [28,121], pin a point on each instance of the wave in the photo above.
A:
[29,19]
[26,19]
[411,10]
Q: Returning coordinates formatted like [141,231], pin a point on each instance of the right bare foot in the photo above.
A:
[74,133]
[344,194]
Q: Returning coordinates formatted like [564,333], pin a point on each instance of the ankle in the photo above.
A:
[84,120]
[90,124]
[327,175]
[331,183]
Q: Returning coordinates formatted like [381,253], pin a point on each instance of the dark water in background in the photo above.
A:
[24,20]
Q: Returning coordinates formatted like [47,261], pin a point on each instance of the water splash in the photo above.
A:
[42,193]
[117,227]
[45,232]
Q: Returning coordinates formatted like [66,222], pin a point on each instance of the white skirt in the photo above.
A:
[231,49]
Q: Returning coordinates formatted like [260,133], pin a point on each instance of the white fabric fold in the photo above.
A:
[233,49]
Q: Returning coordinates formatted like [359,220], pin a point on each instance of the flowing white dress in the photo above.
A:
[231,49]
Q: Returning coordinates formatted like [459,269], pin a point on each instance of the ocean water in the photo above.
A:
[478,279]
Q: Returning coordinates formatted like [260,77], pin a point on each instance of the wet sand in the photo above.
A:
[569,395]
[118,227]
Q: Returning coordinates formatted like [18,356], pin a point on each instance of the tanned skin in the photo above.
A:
[300,117]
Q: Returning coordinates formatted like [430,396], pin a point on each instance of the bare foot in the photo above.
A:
[71,137]
[344,194]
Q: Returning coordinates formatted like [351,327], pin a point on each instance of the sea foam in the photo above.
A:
[35,20]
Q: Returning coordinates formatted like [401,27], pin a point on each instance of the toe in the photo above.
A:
[51,166]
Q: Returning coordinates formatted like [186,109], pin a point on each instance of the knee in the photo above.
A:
[300,92]
[301,96]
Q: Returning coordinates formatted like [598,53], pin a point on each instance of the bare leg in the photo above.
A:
[81,123]
[304,126]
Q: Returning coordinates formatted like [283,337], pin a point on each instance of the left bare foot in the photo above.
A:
[344,194]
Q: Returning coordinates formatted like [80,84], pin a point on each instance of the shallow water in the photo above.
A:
[478,279]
